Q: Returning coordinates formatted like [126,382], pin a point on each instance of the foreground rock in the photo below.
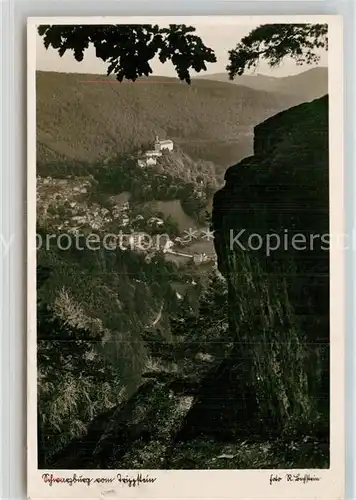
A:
[276,379]
[136,434]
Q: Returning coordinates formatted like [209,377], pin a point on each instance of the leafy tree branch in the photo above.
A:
[128,49]
[274,42]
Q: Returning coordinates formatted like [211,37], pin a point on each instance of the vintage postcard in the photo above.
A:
[185,257]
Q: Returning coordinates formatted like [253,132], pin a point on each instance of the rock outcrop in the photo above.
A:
[277,376]
[135,434]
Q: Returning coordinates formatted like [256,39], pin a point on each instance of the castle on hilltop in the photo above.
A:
[150,156]
[163,144]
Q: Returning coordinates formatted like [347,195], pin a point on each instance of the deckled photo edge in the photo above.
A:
[203,483]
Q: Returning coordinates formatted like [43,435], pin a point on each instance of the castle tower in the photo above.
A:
[157,144]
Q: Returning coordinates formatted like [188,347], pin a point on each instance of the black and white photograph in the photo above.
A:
[181,238]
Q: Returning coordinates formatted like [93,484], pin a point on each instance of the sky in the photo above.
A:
[221,38]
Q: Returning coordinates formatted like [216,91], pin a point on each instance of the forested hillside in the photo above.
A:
[104,299]
[91,117]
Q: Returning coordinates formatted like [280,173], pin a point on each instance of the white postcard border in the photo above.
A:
[212,484]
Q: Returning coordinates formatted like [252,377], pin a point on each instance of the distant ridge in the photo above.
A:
[310,84]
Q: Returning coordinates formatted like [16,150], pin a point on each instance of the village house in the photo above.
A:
[199,258]
[155,221]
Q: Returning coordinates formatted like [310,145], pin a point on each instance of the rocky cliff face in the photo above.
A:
[279,199]
[271,224]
